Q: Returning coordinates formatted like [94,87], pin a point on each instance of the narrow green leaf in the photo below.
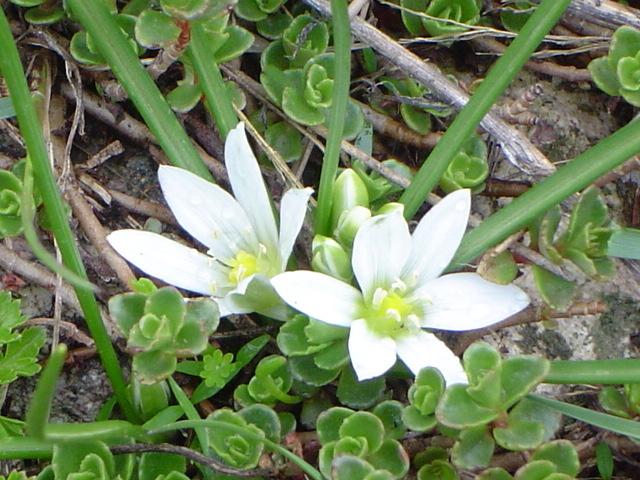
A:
[615,424]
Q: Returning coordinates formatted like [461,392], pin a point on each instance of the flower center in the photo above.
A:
[390,311]
[242,266]
[245,264]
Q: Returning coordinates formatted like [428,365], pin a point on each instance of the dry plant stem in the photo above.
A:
[96,234]
[567,270]
[569,73]
[132,128]
[12,262]
[604,12]
[517,148]
[530,314]
[190,455]
[396,130]
[70,330]
[143,207]
[84,213]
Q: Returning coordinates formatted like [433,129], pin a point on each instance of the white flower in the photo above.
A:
[401,292]
[245,247]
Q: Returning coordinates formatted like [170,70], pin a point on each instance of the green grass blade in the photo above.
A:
[14,76]
[210,79]
[38,414]
[342,72]
[573,177]
[625,243]
[619,425]
[595,372]
[500,75]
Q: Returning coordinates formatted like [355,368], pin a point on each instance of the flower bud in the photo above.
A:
[349,223]
[348,191]
[391,207]
[330,258]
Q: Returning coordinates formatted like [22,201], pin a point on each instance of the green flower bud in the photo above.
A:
[349,223]
[391,207]
[348,191]
[330,258]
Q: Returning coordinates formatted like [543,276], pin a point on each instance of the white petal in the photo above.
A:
[208,213]
[171,262]
[371,355]
[248,187]
[465,301]
[320,296]
[437,237]
[421,349]
[380,250]
[293,208]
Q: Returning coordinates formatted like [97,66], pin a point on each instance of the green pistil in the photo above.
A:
[390,312]
[242,266]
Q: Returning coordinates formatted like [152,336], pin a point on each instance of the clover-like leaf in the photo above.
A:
[358,394]
[156,30]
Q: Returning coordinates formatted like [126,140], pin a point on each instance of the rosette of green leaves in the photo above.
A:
[161,327]
[469,168]
[619,72]
[557,460]
[198,10]
[87,460]
[625,405]
[269,385]
[234,448]
[416,104]
[84,49]
[18,349]
[41,12]
[584,243]
[10,204]
[298,75]
[160,29]
[423,396]
[460,11]
[342,431]
[317,354]
[316,351]
[514,16]
[433,464]
[256,10]
[491,408]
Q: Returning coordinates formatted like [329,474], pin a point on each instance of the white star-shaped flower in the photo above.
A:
[401,293]
[245,246]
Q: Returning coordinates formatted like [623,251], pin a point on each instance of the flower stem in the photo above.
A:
[342,70]
[500,75]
